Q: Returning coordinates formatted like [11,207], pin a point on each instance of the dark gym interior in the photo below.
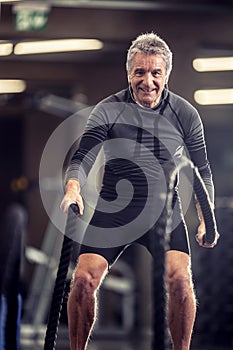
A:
[56,85]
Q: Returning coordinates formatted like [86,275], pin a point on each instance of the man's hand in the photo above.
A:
[72,196]
[201,231]
[200,237]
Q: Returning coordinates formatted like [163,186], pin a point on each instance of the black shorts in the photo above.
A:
[178,238]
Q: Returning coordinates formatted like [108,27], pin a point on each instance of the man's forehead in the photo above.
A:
[144,59]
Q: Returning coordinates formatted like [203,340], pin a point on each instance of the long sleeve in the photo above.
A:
[196,145]
[84,157]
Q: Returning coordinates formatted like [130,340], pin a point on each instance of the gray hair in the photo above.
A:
[152,44]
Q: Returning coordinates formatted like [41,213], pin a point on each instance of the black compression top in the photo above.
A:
[138,141]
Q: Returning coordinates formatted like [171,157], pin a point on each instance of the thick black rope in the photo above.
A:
[158,247]
[160,242]
[202,197]
[60,283]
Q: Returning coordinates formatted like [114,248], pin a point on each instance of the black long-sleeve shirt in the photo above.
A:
[138,142]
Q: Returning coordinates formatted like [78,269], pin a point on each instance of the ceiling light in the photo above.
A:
[50,46]
[214,96]
[11,86]
[213,64]
[6,48]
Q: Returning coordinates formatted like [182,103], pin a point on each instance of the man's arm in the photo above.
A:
[196,145]
[95,133]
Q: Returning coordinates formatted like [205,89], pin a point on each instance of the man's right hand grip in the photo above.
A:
[74,207]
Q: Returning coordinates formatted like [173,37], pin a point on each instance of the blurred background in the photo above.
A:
[39,90]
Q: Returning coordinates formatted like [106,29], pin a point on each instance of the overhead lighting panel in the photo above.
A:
[213,64]
[11,86]
[6,48]
[214,96]
[52,46]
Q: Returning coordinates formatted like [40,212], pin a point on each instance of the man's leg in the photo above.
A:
[88,276]
[181,299]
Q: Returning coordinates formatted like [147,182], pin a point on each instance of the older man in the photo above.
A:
[140,129]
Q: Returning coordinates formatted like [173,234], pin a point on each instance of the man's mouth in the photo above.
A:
[148,91]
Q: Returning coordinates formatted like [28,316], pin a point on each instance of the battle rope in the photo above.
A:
[60,283]
[158,248]
[159,244]
[202,197]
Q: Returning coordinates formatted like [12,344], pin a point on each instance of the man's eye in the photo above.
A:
[157,74]
[138,73]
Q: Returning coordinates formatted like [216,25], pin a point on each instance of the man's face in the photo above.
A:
[147,78]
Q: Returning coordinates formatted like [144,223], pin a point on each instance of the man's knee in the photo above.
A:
[179,275]
[82,286]
[180,283]
[88,277]
[180,286]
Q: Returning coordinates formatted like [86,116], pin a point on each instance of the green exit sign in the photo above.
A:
[31,18]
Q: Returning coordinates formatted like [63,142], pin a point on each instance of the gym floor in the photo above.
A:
[130,342]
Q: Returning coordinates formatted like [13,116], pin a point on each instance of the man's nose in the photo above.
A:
[148,80]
